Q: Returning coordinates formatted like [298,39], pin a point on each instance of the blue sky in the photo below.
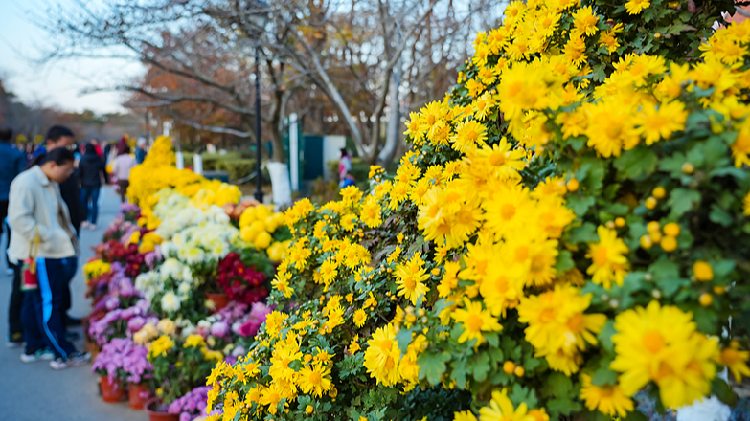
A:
[57,84]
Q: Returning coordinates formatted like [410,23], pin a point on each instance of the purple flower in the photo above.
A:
[238,350]
[112,303]
[190,405]
[220,329]
[124,358]
[136,323]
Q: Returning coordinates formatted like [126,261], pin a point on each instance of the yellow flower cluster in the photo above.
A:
[661,344]
[95,268]
[257,223]
[158,172]
[482,236]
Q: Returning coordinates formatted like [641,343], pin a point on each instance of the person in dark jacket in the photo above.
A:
[12,162]
[92,171]
[62,137]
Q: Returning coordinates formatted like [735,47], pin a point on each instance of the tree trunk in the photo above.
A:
[392,135]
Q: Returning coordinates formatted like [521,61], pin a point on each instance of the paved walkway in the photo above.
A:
[35,392]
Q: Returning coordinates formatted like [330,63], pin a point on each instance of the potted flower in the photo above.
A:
[241,282]
[179,367]
[191,405]
[110,365]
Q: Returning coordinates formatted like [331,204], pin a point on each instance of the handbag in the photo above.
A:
[28,268]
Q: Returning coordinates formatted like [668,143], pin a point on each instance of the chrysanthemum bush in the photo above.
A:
[570,227]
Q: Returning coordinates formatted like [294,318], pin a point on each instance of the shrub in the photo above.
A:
[236,168]
[570,227]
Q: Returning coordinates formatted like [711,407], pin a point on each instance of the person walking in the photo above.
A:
[121,171]
[92,170]
[62,137]
[140,151]
[44,232]
[345,165]
[12,162]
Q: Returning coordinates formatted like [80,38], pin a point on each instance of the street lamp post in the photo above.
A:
[258,191]
[257,17]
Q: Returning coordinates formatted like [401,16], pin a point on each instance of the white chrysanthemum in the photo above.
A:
[187,274]
[187,330]
[171,267]
[179,240]
[220,250]
[192,256]
[170,302]
[184,287]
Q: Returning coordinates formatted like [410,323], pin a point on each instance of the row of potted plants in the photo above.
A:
[173,299]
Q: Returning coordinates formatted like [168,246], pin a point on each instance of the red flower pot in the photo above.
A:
[159,415]
[138,395]
[112,390]
[221,300]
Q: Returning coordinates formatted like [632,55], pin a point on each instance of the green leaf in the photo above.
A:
[722,391]
[605,336]
[723,268]
[404,339]
[733,171]
[669,286]
[521,395]
[720,216]
[635,416]
[563,406]
[565,262]
[705,319]
[586,233]
[604,376]
[663,268]
[481,367]
[682,200]
[673,164]
[636,162]
[459,374]
[560,385]
[432,366]
[580,205]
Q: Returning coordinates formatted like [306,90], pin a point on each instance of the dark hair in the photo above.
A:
[125,150]
[90,149]
[6,134]
[344,152]
[57,131]
[59,156]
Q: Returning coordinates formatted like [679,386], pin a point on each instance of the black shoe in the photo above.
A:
[72,336]
[72,321]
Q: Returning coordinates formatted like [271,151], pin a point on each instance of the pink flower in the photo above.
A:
[220,329]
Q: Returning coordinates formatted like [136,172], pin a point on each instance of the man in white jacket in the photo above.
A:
[37,210]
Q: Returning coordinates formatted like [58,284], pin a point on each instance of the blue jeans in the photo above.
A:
[42,313]
[90,193]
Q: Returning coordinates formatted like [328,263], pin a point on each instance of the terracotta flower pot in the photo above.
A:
[138,395]
[221,300]
[113,391]
[154,415]
[93,348]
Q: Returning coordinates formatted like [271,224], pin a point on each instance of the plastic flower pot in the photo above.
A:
[155,415]
[112,390]
[220,300]
[138,395]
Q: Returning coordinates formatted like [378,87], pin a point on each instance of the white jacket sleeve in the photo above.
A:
[21,214]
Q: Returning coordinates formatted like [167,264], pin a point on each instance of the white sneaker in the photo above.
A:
[84,224]
[39,355]
[75,359]
[92,227]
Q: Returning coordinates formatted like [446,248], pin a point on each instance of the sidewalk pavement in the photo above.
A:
[36,392]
